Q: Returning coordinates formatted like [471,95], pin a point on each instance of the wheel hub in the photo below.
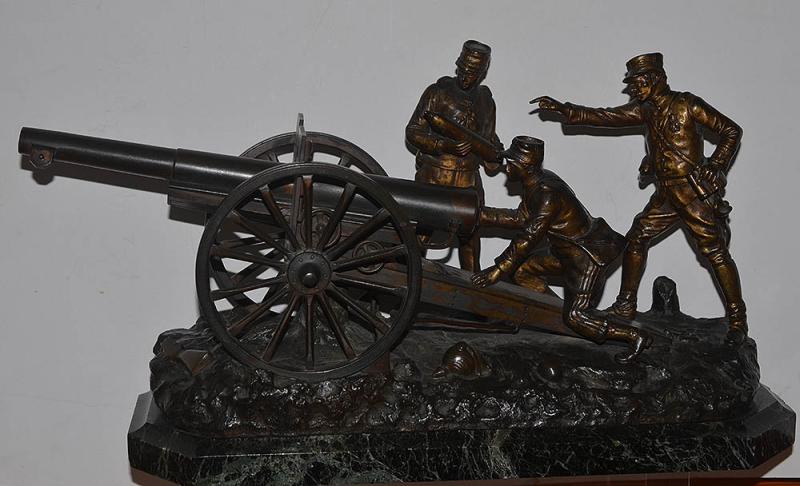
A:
[310,279]
[309,272]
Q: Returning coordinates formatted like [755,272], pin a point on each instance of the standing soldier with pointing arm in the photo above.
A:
[689,188]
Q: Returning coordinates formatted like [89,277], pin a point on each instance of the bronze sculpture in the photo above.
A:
[689,187]
[361,255]
[580,247]
[309,273]
[443,160]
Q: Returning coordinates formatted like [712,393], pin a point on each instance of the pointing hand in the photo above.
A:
[549,104]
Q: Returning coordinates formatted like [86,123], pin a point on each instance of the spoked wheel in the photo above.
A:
[323,148]
[320,308]
[302,146]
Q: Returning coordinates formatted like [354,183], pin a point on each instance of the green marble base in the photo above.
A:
[155,447]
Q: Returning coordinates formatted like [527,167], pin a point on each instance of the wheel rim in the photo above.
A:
[313,315]
[338,151]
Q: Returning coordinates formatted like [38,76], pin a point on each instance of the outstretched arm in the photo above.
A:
[524,243]
[627,115]
[503,218]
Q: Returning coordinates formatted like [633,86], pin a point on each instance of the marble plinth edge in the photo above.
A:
[742,443]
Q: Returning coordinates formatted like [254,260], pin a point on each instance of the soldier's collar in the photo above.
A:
[663,100]
[531,178]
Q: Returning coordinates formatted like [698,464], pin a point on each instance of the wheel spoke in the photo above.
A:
[310,332]
[272,157]
[336,327]
[258,232]
[250,241]
[258,284]
[368,285]
[275,211]
[382,256]
[241,325]
[308,207]
[223,252]
[248,273]
[297,192]
[345,160]
[338,213]
[273,293]
[280,331]
[227,278]
[373,320]
[364,230]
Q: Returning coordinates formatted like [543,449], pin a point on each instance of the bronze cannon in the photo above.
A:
[299,253]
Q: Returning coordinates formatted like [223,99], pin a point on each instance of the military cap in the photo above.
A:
[525,150]
[474,54]
[644,63]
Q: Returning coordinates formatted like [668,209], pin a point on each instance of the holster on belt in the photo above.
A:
[711,193]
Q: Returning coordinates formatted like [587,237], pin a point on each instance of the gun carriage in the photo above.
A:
[302,255]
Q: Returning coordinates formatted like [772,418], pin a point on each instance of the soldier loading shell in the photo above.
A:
[442,160]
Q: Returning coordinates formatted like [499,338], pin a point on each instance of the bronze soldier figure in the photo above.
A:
[580,247]
[445,161]
[689,188]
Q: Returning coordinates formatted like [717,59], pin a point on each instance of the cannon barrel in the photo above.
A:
[192,173]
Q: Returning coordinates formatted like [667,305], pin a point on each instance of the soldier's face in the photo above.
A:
[640,87]
[469,75]
[514,170]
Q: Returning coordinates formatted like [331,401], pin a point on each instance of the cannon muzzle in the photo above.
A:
[45,146]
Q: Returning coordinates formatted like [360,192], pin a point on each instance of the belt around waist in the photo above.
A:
[455,164]
[672,181]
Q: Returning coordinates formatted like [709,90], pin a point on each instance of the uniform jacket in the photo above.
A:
[674,122]
[474,110]
[550,210]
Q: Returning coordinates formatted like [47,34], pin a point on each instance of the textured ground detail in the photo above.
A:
[534,380]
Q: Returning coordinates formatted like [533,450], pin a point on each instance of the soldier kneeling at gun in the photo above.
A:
[581,247]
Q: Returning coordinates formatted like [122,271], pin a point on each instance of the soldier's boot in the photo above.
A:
[737,323]
[633,262]
[595,326]
[727,277]
[637,340]
[624,307]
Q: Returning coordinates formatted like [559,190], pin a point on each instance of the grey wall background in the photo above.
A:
[93,272]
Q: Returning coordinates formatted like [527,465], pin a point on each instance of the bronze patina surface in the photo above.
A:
[448,158]
[580,247]
[326,336]
[689,186]
[331,252]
